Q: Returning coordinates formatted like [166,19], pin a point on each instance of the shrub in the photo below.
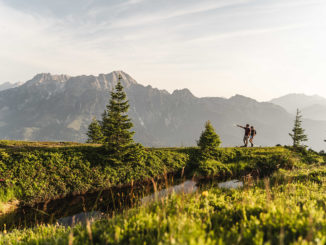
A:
[209,141]
[57,172]
[212,168]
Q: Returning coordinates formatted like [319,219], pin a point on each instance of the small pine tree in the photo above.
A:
[94,133]
[116,126]
[209,140]
[298,136]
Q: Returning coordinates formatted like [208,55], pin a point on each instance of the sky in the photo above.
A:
[262,49]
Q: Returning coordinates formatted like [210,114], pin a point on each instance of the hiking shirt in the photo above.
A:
[253,132]
[247,131]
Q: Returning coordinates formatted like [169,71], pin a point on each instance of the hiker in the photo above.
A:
[253,133]
[246,135]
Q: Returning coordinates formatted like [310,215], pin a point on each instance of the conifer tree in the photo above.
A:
[209,140]
[298,136]
[116,126]
[94,133]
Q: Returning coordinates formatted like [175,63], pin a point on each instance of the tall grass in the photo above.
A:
[9,194]
[49,173]
[282,209]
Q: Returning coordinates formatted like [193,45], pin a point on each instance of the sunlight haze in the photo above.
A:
[260,49]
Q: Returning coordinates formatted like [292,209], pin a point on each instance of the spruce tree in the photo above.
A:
[298,136]
[116,126]
[209,140]
[94,133]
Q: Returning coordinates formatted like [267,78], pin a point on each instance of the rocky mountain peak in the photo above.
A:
[125,77]
[102,81]
[47,77]
[184,93]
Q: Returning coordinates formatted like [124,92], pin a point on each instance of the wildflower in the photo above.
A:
[204,193]
[172,240]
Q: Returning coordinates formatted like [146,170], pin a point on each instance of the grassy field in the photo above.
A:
[282,202]
[33,172]
[285,208]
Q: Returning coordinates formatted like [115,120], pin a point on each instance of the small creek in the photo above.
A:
[78,209]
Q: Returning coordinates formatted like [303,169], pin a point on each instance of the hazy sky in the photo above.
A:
[258,48]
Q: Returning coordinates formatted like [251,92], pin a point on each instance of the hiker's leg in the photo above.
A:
[246,141]
[252,143]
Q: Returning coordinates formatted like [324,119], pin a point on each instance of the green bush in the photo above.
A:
[57,172]
[241,161]
[209,141]
[307,156]
[211,168]
[44,173]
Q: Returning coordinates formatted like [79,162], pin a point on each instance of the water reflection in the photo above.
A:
[232,184]
[80,218]
[186,187]
[73,210]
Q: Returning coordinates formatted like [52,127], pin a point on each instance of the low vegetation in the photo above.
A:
[37,174]
[287,208]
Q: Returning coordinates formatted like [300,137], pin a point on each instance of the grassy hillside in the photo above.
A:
[39,172]
[33,172]
[282,201]
[286,208]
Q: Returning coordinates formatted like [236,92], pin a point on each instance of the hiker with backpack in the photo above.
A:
[246,135]
[253,133]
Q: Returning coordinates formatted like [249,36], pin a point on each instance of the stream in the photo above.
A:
[78,209]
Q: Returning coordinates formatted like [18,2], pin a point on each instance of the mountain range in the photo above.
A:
[60,108]
[8,85]
[312,107]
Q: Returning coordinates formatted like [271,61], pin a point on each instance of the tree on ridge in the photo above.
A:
[94,133]
[116,129]
[209,140]
[298,136]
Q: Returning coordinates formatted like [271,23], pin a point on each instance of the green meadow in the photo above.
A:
[282,200]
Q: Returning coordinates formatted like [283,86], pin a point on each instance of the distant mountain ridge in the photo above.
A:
[8,85]
[312,107]
[60,108]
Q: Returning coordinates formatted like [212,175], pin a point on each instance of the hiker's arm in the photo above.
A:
[241,126]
